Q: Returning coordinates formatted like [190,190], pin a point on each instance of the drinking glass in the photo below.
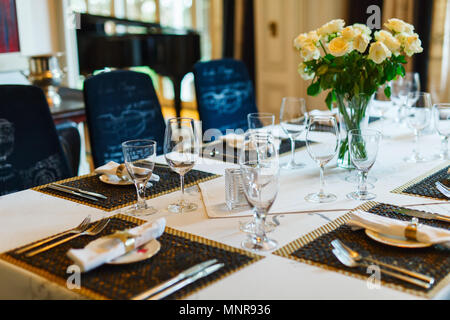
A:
[293,119]
[400,89]
[418,113]
[260,170]
[363,147]
[442,122]
[261,121]
[322,142]
[181,150]
[140,158]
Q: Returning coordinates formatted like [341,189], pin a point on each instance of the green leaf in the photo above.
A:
[331,97]
[387,91]
[314,89]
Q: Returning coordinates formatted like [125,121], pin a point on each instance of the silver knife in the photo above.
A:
[72,192]
[423,215]
[183,275]
[182,284]
[89,193]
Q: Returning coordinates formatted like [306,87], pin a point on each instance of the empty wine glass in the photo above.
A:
[259,165]
[442,122]
[418,112]
[363,147]
[181,150]
[322,142]
[293,118]
[140,158]
[400,89]
[261,121]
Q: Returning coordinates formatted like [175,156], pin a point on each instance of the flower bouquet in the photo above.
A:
[353,63]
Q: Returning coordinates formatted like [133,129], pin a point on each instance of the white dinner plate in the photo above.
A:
[142,253]
[395,241]
[114,180]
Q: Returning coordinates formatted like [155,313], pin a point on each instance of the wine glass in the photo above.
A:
[261,121]
[322,142]
[293,119]
[140,158]
[418,113]
[442,122]
[363,147]
[260,170]
[400,89]
[181,150]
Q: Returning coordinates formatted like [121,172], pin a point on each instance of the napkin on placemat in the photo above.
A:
[111,168]
[425,234]
[105,249]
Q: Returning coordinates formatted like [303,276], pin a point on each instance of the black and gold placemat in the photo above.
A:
[123,196]
[424,185]
[225,153]
[315,249]
[179,251]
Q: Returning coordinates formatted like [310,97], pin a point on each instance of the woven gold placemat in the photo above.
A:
[124,196]
[315,249]
[424,185]
[179,251]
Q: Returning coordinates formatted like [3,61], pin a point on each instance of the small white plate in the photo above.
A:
[395,241]
[145,252]
[114,180]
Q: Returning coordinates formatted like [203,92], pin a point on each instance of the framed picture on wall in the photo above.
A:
[9,31]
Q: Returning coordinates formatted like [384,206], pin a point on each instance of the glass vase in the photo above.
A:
[353,115]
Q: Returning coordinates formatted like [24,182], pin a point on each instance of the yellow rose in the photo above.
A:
[362,28]
[302,71]
[339,46]
[389,40]
[331,27]
[361,42]
[378,52]
[305,39]
[300,41]
[410,43]
[310,52]
[398,26]
[349,33]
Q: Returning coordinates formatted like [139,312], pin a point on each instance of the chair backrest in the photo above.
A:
[225,94]
[29,141]
[70,139]
[121,105]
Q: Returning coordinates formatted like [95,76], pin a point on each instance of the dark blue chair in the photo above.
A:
[29,141]
[121,105]
[225,94]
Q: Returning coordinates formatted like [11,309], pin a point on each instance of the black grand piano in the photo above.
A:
[106,42]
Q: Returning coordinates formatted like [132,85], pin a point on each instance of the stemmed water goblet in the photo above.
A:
[322,142]
[140,156]
[418,112]
[259,166]
[293,118]
[400,89]
[363,147]
[441,113]
[181,150]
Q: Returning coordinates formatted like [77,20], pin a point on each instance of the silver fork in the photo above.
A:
[91,231]
[340,246]
[80,228]
[349,262]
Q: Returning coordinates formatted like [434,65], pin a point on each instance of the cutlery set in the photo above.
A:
[77,192]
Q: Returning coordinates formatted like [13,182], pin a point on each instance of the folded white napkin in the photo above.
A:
[105,249]
[111,169]
[425,234]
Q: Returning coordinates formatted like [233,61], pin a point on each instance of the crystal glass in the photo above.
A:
[418,113]
[363,146]
[234,192]
[400,89]
[441,113]
[259,165]
[181,150]
[140,158]
[293,118]
[261,121]
[322,143]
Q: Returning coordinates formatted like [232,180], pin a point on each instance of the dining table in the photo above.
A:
[30,215]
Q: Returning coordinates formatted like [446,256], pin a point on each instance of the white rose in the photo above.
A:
[349,33]
[378,52]
[361,42]
[305,39]
[363,29]
[339,46]
[399,26]
[331,27]
[300,41]
[389,40]
[310,52]
[302,71]
[410,43]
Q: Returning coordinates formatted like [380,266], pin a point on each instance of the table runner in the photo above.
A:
[315,248]
[424,185]
[179,251]
[123,196]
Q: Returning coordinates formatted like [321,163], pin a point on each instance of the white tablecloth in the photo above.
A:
[29,215]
